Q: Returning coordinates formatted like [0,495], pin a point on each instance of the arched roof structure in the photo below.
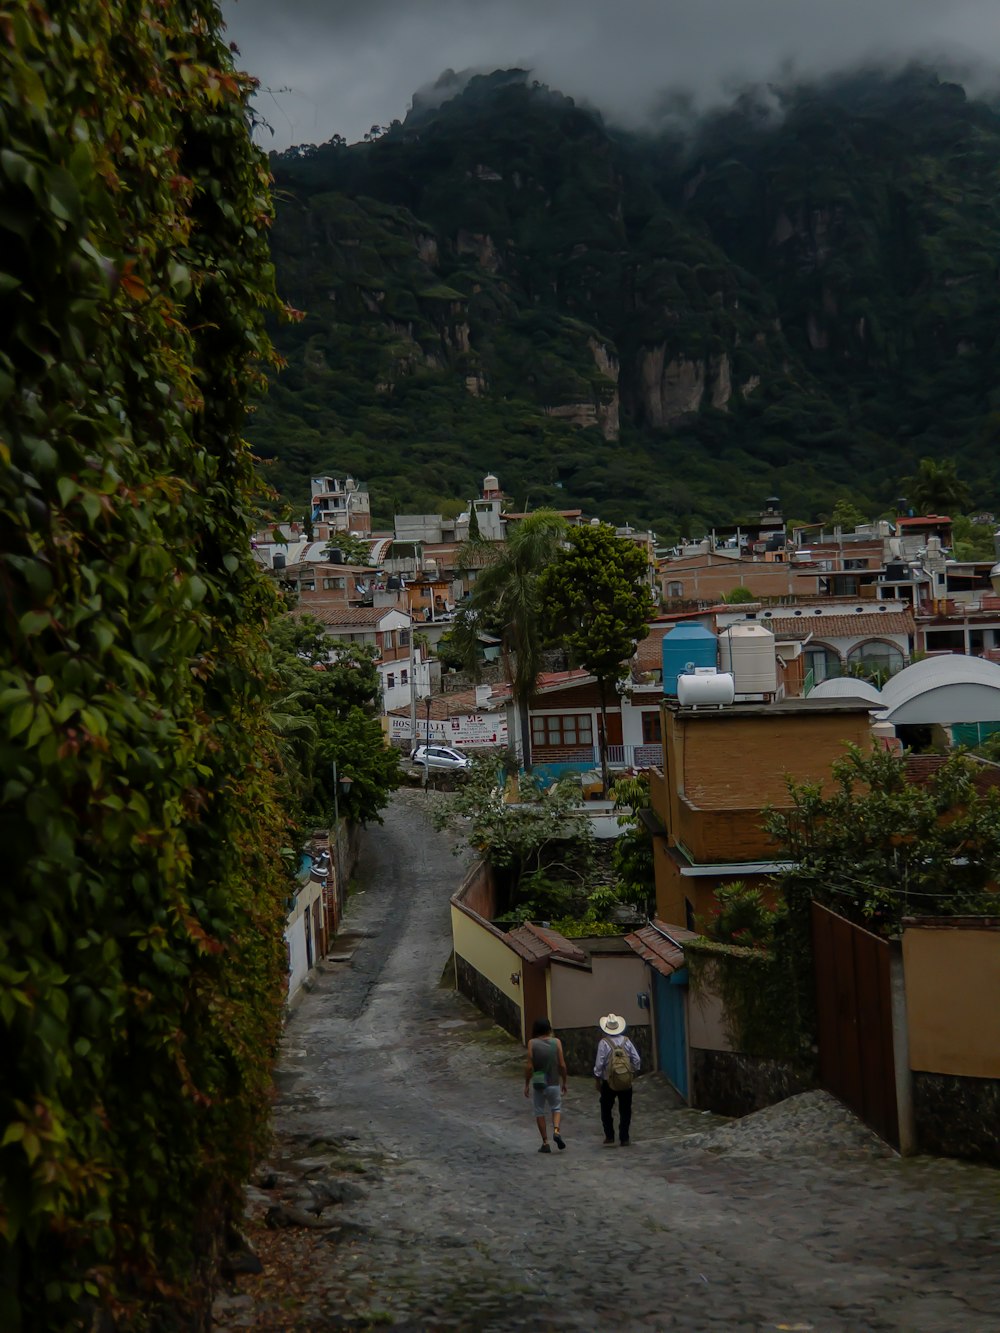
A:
[846,687]
[943,690]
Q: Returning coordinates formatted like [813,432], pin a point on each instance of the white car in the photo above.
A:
[439,756]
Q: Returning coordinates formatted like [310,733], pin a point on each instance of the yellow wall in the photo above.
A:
[953,1000]
[578,998]
[488,954]
[304,899]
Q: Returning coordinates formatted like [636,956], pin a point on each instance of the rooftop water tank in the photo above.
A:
[705,691]
[747,651]
[687,646]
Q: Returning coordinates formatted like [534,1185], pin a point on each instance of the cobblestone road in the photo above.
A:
[396,1097]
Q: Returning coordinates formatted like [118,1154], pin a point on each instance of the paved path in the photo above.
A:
[793,1219]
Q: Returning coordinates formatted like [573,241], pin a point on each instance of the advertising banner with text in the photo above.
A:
[467,731]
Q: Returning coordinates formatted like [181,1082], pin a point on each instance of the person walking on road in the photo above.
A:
[616,1064]
[545,1075]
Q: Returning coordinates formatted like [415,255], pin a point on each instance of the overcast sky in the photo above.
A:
[339,66]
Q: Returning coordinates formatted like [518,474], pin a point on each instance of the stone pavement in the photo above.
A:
[406,1161]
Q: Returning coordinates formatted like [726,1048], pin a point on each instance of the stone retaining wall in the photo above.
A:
[733,1084]
[487,998]
[957,1116]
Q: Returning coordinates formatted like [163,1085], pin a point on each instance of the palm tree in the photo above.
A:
[505,595]
[935,488]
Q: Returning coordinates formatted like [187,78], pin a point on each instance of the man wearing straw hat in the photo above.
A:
[616,1064]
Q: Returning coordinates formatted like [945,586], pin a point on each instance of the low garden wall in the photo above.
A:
[485,964]
[951,969]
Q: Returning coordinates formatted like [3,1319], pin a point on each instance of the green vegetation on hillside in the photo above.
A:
[796,301]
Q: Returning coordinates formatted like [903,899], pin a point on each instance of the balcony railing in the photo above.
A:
[581,757]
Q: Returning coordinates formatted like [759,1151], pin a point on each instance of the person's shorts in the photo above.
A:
[546,1099]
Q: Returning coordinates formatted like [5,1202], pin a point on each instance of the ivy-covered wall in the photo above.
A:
[770,1055]
[141,957]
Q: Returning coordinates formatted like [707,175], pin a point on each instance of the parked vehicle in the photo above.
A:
[439,756]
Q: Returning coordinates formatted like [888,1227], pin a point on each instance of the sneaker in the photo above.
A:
[609,1143]
[560,1142]
[626,1143]
[545,1148]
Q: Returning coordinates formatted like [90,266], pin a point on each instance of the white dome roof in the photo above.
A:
[845,687]
[947,689]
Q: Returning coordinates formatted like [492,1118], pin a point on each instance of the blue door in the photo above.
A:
[671,1039]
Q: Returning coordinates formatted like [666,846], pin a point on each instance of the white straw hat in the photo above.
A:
[613,1025]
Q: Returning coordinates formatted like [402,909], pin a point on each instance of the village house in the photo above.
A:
[468,719]
[837,636]
[720,768]
[339,507]
[388,630]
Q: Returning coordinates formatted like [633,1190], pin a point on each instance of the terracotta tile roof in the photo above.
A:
[649,651]
[865,625]
[536,943]
[555,680]
[457,704]
[653,946]
[353,617]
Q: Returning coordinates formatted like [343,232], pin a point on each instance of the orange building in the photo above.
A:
[721,768]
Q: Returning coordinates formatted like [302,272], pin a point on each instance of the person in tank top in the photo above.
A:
[545,1076]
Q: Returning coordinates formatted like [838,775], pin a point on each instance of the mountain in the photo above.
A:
[797,295]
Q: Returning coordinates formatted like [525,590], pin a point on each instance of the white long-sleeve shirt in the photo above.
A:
[604,1055]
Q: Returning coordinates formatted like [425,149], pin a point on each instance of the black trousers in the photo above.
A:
[624,1097]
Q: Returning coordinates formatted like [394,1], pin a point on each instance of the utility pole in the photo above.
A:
[339,784]
[413,692]
[427,758]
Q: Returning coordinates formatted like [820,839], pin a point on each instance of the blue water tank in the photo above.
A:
[687,646]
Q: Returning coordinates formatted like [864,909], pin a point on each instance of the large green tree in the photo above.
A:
[142,966]
[936,488]
[595,600]
[327,706]
[505,598]
[880,846]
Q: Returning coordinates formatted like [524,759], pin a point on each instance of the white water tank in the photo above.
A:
[747,651]
[712,691]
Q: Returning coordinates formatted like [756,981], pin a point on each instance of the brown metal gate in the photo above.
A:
[534,992]
[854,1010]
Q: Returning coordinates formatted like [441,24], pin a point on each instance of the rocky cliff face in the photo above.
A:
[825,282]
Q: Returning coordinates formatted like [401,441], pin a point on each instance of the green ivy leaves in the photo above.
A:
[142,966]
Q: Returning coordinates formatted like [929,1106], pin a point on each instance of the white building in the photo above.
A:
[339,507]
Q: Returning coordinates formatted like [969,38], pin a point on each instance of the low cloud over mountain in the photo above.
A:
[340,67]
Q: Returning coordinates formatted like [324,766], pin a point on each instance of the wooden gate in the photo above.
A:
[854,1012]
[536,1004]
